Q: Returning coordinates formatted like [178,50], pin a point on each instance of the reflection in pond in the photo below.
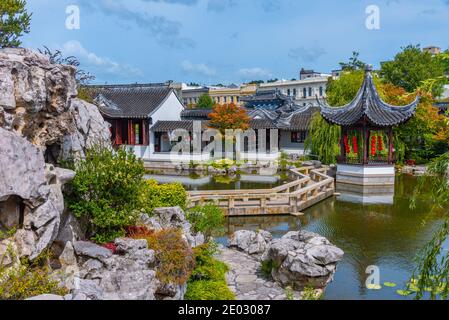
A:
[385,235]
[194,182]
[365,194]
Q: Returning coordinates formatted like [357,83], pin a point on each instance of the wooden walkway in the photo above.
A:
[310,187]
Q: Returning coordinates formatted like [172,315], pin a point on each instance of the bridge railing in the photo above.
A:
[311,184]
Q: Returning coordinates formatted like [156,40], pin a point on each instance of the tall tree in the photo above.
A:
[229,116]
[411,67]
[14,22]
[205,102]
[354,63]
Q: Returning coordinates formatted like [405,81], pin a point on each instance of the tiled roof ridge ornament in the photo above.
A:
[367,103]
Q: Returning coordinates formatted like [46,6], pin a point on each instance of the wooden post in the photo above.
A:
[130,132]
[145,133]
[118,132]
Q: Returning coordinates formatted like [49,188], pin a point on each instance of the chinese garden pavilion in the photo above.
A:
[367,144]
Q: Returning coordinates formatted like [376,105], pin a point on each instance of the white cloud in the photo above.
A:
[103,65]
[200,68]
[254,73]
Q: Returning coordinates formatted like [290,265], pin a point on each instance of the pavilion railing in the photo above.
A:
[372,161]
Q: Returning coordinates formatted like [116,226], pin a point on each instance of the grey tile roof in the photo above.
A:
[195,114]
[368,104]
[259,124]
[169,126]
[130,101]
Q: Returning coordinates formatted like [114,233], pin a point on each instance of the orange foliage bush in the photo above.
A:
[229,116]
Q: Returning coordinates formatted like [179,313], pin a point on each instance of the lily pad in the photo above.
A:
[389,284]
[374,286]
[403,292]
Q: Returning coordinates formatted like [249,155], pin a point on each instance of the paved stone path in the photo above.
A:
[246,279]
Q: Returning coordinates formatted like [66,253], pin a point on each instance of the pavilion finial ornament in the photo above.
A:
[368,67]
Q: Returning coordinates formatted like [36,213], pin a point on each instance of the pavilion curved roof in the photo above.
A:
[368,103]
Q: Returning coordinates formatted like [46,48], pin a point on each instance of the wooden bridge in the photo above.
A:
[309,187]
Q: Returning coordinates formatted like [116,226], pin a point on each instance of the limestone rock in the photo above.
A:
[38,101]
[303,259]
[250,242]
[91,250]
[91,130]
[128,275]
[21,169]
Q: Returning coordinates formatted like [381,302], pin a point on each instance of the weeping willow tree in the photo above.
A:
[323,139]
[432,271]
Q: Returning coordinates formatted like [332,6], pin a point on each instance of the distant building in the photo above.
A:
[231,94]
[303,92]
[133,109]
[432,50]
[191,95]
[336,73]
[307,74]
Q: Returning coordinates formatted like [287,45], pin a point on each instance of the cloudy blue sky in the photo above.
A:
[230,41]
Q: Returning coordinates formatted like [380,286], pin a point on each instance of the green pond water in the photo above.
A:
[378,230]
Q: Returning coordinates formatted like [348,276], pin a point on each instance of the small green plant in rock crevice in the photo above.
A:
[28,279]
[267,267]
[310,293]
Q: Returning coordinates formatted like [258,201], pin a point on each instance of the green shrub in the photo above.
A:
[208,279]
[154,195]
[206,266]
[208,290]
[208,219]
[267,267]
[27,280]
[174,256]
[105,192]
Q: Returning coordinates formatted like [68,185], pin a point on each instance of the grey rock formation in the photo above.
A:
[302,259]
[38,101]
[39,116]
[250,242]
[91,250]
[31,199]
[127,275]
[174,217]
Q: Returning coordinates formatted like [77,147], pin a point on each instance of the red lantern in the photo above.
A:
[373,146]
[380,146]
